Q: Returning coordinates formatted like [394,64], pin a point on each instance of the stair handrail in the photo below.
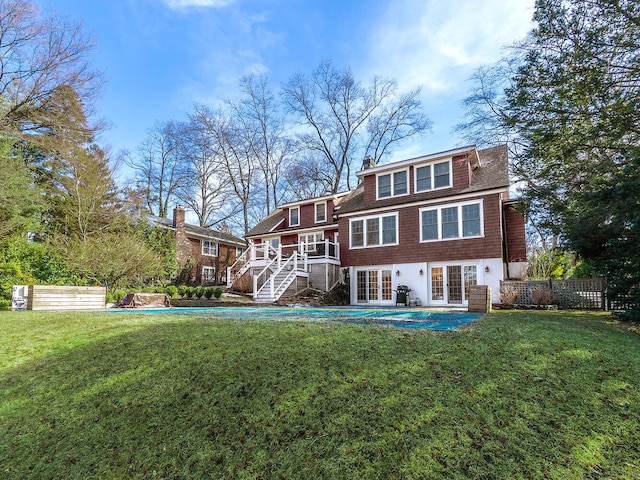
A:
[257,286]
[294,258]
[237,268]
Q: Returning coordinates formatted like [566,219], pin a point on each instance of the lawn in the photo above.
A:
[518,395]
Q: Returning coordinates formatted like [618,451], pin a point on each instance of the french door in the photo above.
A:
[450,284]
[374,286]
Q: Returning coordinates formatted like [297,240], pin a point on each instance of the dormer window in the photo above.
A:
[321,212]
[294,216]
[393,184]
[433,176]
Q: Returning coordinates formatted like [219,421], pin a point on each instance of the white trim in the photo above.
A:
[334,196]
[274,227]
[459,206]
[379,211]
[380,231]
[391,175]
[315,212]
[425,158]
[291,209]
[213,277]
[202,252]
[432,165]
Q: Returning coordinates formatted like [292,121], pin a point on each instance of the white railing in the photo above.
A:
[321,249]
[295,264]
[263,251]
[266,274]
[240,266]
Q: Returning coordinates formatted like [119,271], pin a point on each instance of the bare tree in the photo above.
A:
[240,165]
[160,169]
[207,192]
[38,56]
[344,120]
[259,115]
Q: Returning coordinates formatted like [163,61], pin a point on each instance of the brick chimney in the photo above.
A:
[368,162]
[183,245]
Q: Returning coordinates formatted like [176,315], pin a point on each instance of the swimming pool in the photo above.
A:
[401,318]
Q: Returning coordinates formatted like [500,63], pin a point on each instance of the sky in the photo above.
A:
[160,57]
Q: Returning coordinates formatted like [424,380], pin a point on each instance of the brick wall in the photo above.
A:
[184,250]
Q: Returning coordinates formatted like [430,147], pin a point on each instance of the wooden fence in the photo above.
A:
[582,293]
[50,297]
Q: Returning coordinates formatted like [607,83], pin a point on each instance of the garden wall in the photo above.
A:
[51,297]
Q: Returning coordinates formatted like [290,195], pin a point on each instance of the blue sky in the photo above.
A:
[160,57]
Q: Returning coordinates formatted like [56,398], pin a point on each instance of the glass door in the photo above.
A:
[374,286]
[454,283]
[450,284]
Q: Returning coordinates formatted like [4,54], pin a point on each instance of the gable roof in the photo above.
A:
[200,232]
[268,224]
[275,218]
[491,173]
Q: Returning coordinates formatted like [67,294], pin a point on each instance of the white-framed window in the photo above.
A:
[321,212]
[433,176]
[294,216]
[311,240]
[393,184]
[209,248]
[447,222]
[240,251]
[374,231]
[208,274]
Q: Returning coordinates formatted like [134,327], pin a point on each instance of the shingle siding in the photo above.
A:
[410,249]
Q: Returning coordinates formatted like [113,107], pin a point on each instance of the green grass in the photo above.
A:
[519,395]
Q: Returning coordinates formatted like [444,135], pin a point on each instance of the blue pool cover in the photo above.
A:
[402,318]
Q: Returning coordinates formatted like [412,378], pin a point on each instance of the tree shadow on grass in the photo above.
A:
[224,399]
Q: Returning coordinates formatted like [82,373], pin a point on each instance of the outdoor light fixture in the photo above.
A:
[397,272]
[486,269]
[421,272]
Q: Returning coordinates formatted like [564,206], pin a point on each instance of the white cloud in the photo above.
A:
[433,43]
[198,3]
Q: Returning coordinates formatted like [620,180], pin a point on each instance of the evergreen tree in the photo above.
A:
[571,110]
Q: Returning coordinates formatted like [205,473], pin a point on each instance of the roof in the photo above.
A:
[201,232]
[492,173]
[275,218]
[267,224]
[424,158]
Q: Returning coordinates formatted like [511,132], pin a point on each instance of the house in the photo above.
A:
[299,243]
[437,224]
[203,254]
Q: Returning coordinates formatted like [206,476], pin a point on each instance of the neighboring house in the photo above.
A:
[204,253]
[438,224]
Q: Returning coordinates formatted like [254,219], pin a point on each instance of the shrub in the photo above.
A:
[118,295]
[508,294]
[217,292]
[171,291]
[182,290]
[542,295]
[189,292]
[198,291]
[208,293]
